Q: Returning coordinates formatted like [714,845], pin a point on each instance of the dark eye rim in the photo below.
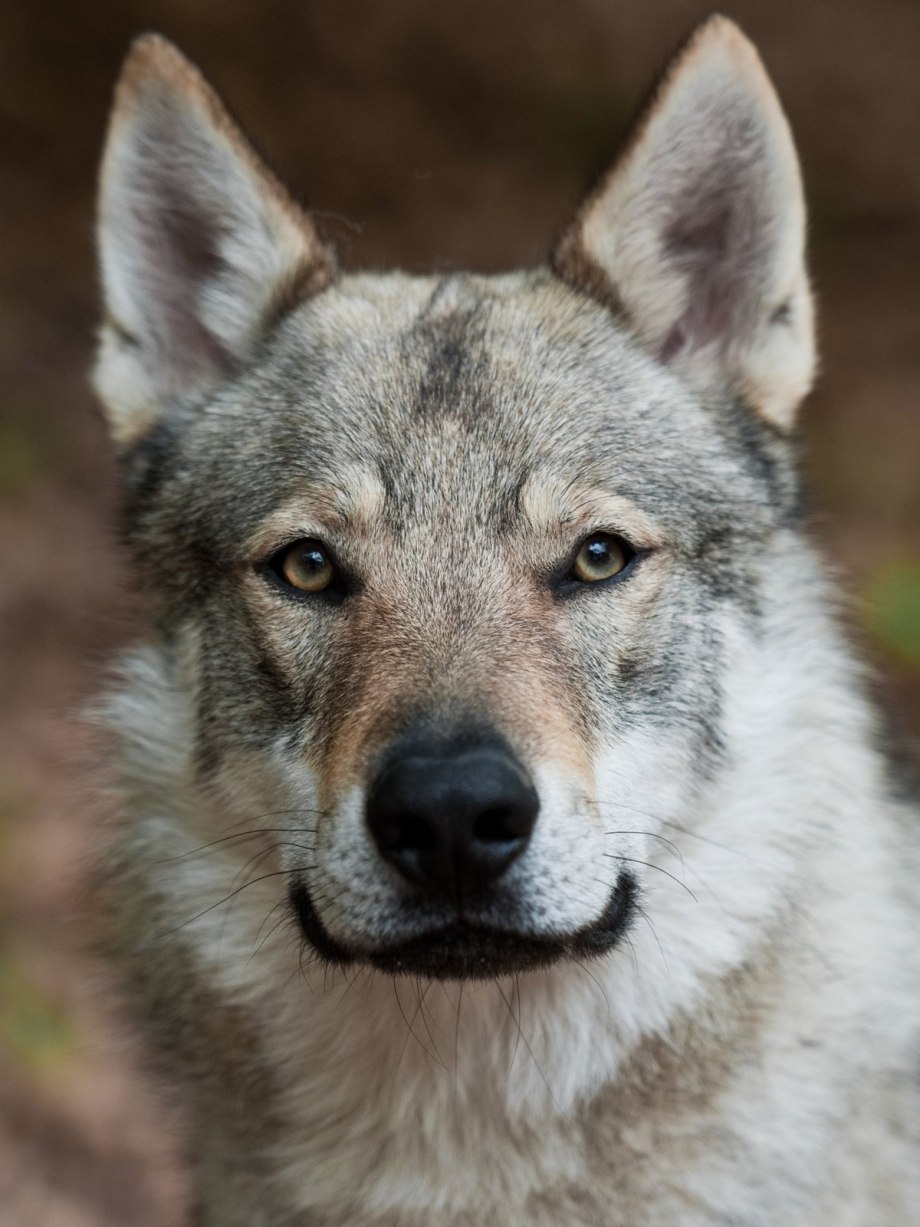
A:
[566,583]
[271,570]
[562,579]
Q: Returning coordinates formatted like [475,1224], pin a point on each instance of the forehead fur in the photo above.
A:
[470,398]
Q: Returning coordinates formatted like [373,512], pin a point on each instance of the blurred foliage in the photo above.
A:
[34,1028]
[893,610]
[18,463]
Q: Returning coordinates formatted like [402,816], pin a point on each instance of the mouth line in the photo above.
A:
[465,950]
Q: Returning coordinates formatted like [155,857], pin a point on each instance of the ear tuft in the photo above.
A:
[201,248]
[697,235]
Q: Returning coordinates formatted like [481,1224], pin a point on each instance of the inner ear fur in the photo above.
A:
[696,237]
[201,248]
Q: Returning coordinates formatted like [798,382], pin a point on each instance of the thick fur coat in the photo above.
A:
[692,996]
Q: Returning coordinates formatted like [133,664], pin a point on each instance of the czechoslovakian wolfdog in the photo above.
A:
[507,839]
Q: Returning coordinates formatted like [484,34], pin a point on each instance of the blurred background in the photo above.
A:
[448,134]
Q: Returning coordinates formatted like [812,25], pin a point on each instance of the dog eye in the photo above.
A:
[601,556]
[305,565]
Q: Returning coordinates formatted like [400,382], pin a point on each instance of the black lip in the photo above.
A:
[463,950]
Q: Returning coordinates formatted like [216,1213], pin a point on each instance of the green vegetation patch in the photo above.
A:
[18,461]
[893,612]
[32,1027]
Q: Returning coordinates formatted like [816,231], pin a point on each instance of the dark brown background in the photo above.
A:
[429,134]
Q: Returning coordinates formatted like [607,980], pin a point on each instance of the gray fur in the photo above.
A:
[746,1054]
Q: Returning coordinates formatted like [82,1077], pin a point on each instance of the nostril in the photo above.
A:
[500,824]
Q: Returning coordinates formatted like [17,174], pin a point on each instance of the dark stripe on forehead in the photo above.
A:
[454,284]
[449,351]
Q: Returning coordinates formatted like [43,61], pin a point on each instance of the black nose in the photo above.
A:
[452,821]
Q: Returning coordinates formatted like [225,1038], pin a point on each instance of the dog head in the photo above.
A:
[445,566]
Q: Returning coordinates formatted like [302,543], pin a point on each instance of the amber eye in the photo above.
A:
[601,557]
[305,565]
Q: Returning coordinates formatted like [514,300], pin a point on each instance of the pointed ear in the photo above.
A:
[697,235]
[201,248]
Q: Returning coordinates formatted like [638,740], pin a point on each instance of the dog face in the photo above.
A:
[444,565]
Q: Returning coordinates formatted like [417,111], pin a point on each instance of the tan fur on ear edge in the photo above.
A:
[201,247]
[696,236]
[153,60]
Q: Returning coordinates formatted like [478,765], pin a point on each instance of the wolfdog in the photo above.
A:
[508,838]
